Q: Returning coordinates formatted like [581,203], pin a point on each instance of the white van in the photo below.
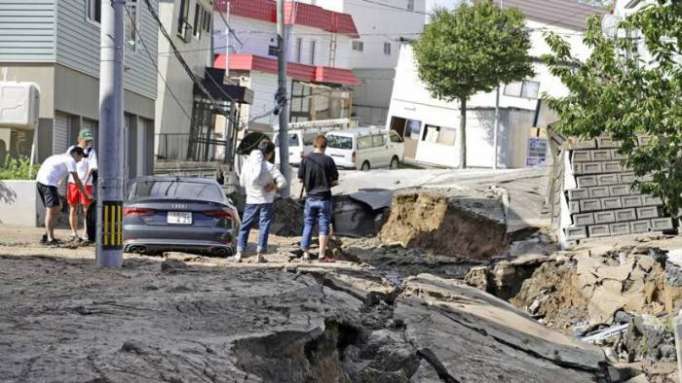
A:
[302,134]
[365,148]
[300,145]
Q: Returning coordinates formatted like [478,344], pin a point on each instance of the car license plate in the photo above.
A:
[179,218]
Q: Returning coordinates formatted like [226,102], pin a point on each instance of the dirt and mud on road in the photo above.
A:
[433,307]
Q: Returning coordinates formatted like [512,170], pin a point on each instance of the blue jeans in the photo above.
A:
[263,214]
[316,209]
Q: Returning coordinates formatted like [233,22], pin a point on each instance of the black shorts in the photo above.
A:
[49,195]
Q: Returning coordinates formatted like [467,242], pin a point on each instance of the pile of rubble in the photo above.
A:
[623,300]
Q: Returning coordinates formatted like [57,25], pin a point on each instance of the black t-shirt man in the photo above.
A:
[318,173]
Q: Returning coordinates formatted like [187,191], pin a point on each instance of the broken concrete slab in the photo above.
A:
[594,287]
[489,332]
[502,321]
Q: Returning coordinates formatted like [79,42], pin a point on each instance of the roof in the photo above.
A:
[361,131]
[295,14]
[301,72]
[565,13]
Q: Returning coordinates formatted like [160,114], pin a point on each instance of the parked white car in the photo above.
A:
[365,148]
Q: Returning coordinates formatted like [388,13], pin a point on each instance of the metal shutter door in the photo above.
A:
[60,133]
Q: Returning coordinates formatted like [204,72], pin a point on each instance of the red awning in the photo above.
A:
[301,72]
[295,13]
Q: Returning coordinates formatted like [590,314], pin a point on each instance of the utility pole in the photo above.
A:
[282,98]
[497,126]
[497,116]
[110,185]
[226,129]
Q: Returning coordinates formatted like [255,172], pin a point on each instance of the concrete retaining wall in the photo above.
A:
[20,204]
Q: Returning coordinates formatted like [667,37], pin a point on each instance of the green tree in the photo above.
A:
[470,49]
[616,92]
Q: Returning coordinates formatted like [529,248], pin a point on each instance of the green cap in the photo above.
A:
[85,134]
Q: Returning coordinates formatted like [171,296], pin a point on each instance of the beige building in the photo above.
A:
[61,55]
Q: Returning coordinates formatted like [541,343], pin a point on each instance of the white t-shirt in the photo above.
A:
[85,165]
[55,168]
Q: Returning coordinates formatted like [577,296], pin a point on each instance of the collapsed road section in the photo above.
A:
[182,321]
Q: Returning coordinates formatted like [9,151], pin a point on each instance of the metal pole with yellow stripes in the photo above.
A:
[110,180]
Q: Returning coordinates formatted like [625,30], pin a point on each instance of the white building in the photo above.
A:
[186,127]
[430,126]
[188,22]
[621,10]
[319,76]
[374,57]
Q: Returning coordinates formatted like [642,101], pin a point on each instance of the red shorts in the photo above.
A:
[74,196]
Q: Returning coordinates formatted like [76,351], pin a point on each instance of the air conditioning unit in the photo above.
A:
[19,105]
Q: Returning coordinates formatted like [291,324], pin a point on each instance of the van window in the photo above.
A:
[378,140]
[339,142]
[308,139]
[364,142]
[293,140]
[395,138]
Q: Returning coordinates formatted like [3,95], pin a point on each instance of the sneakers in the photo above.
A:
[237,257]
[54,242]
[306,258]
[43,240]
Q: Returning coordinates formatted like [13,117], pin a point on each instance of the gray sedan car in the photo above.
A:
[178,214]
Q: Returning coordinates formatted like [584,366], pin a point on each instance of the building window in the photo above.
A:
[311,102]
[313,45]
[299,50]
[439,135]
[132,24]
[183,16]
[358,46]
[387,49]
[93,11]
[196,27]
[207,21]
[525,89]
[410,5]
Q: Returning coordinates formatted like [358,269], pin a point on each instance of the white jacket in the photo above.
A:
[256,175]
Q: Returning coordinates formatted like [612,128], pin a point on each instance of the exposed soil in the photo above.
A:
[447,224]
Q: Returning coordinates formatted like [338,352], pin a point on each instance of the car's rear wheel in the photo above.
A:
[395,162]
[365,166]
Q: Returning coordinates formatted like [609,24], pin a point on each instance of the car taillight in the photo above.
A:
[353,156]
[223,214]
[137,211]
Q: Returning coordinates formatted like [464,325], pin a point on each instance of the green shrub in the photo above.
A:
[17,169]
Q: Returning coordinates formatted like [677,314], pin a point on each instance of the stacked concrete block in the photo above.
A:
[605,202]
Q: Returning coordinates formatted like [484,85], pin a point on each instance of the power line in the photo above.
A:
[156,65]
[181,59]
[374,2]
